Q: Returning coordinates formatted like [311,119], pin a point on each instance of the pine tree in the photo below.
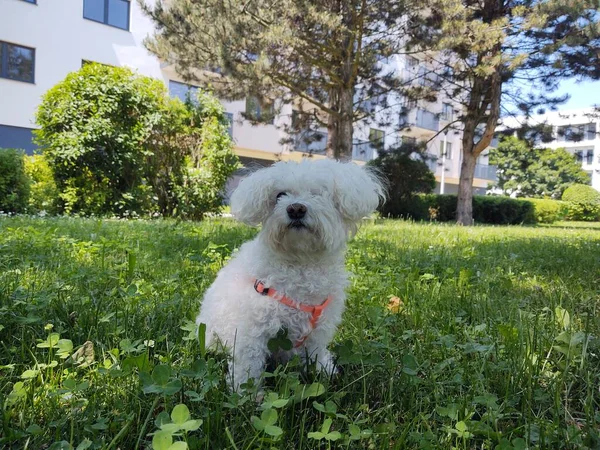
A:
[323,56]
[498,51]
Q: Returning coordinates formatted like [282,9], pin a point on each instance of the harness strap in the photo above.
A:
[315,311]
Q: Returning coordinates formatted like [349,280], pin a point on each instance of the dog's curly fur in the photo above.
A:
[302,259]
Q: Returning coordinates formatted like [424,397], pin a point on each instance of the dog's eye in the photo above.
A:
[281,194]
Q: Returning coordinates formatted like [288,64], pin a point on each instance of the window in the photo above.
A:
[182,91]
[376,138]
[590,131]
[412,62]
[589,157]
[110,12]
[576,133]
[259,111]
[448,150]
[447,112]
[427,119]
[17,62]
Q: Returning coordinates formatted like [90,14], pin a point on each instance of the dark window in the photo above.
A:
[17,137]
[110,12]
[589,157]
[447,112]
[17,62]
[183,91]
[259,111]
[448,150]
[376,138]
[591,131]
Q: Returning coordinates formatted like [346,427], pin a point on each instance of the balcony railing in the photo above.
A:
[486,172]
[310,142]
[362,151]
[427,120]
[433,164]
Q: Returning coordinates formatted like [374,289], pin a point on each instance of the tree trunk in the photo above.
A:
[464,208]
[483,108]
[340,127]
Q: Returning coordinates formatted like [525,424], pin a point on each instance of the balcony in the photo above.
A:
[427,120]
[419,123]
[486,172]
[313,142]
[362,151]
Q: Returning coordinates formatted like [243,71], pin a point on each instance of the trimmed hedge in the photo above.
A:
[14,182]
[486,209]
[547,210]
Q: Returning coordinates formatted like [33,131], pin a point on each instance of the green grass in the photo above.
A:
[495,343]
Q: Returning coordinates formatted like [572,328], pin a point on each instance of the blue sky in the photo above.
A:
[583,94]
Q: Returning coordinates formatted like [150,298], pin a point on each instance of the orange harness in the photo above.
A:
[314,311]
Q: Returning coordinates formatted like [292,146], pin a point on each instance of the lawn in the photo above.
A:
[484,337]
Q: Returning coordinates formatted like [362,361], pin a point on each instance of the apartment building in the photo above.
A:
[41,41]
[576,130]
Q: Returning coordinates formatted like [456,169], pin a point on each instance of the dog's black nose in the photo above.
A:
[296,211]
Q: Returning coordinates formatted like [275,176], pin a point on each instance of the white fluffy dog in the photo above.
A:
[291,276]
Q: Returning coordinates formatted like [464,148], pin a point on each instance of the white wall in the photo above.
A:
[62,38]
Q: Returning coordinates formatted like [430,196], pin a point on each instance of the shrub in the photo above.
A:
[547,210]
[583,201]
[502,210]
[14,183]
[92,128]
[44,193]
[486,209]
[124,147]
[406,176]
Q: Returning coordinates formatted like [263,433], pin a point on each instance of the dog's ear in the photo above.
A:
[251,201]
[358,190]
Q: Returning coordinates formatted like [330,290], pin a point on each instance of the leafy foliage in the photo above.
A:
[117,144]
[528,172]
[549,211]
[407,174]
[14,183]
[44,193]
[584,202]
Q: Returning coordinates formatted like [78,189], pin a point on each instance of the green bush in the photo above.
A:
[486,209]
[502,210]
[406,177]
[44,193]
[117,144]
[583,201]
[14,183]
[547,210]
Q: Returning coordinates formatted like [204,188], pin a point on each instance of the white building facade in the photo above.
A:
[575,130]
[41,41]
